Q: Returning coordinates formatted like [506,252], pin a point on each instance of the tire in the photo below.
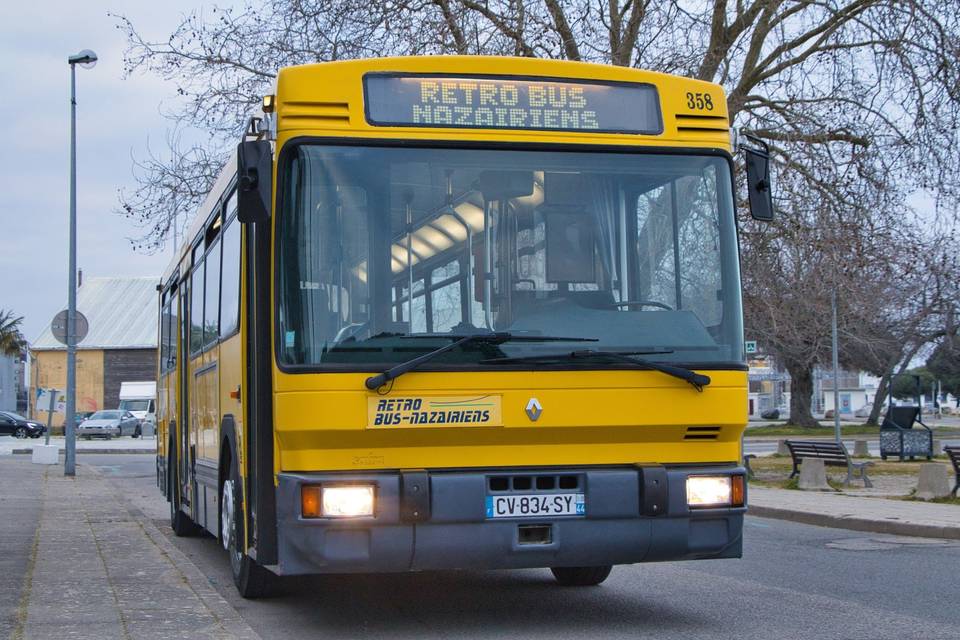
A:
[20,433]
[180,522]
[581,576]
[251,580]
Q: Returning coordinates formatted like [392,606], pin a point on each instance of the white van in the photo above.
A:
[139,398]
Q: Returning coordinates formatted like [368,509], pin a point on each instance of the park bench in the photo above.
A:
[954,454]
[832,453]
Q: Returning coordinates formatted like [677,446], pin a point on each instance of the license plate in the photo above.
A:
[521,505]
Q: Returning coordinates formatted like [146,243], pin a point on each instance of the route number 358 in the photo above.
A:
[699,101]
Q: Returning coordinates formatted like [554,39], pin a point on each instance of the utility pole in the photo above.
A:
[86,59]
[836,369]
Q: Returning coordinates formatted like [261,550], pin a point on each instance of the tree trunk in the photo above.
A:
[801,392]
[874,419]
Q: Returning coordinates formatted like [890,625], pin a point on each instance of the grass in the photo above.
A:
[785,429]
[776,465]
[792,483]
[793,430]
[955,500]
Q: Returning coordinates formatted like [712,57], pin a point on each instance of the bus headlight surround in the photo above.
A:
[714,491]
[337,501]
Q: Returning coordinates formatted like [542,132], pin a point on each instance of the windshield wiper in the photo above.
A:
[377,381]
[697,380]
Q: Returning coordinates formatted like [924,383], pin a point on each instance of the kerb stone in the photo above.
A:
[933,481]
[813,475]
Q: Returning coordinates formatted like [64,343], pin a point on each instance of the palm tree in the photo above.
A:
[12,342]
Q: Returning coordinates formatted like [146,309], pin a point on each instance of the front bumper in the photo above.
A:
[633,514]
[99,432]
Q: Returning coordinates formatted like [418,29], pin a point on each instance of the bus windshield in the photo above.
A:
[385,252]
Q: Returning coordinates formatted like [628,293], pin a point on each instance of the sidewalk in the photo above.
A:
[96,568]
[10,445]
[877,515]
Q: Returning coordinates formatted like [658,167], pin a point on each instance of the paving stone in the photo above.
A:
[101,569]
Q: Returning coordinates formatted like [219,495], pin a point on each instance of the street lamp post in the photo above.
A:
[86,59]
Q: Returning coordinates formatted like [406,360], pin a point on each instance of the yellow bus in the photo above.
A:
[463,312]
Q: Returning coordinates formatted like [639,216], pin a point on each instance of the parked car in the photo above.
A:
[111,423]
[15,425]
[139,398]
[778,413]
[80,416]
[864,411]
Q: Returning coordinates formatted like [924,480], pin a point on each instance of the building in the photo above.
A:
[857,391]
[769,386]
[10,387]
[121,345]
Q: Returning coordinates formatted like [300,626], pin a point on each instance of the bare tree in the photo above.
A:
[859,99]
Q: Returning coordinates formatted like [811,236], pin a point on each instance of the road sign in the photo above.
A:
[59,327]
[51,398]
[750,346]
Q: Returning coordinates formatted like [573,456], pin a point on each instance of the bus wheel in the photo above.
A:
[180,522]
[581,576]
[252,580]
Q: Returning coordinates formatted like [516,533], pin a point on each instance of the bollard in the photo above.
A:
[937,447]
[813,475]
[46,454]
[933,481]
[860,449]
[782,449]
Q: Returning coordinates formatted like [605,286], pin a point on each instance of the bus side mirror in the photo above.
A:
[254,180]
[758,184]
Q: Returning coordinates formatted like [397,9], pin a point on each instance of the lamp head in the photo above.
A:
[86,59]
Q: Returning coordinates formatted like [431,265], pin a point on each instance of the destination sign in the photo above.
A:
[521,103]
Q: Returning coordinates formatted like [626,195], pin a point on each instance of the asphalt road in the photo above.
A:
[795,581]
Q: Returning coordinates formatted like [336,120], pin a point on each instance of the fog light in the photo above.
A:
[347,501]
[709,491]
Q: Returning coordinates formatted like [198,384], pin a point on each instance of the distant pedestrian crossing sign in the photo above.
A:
[750,346]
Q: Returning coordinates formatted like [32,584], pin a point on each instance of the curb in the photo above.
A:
[892,527]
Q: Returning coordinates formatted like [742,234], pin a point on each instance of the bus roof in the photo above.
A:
[331,97]
[328,99]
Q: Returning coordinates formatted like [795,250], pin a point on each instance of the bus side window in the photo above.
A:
[196,307]
[230,287]
[165,332]
[171,361]
[211,311]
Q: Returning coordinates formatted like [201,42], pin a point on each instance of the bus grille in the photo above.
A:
[695,123]
[702,433]
[303,114]
[532,482]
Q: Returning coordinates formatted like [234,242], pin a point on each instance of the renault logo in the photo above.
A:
[534,409]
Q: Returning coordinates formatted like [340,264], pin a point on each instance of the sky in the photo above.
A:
[116,117]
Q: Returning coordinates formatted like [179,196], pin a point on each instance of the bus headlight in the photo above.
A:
[714,491]
[339,501]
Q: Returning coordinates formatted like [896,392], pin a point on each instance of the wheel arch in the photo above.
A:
[229,453]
